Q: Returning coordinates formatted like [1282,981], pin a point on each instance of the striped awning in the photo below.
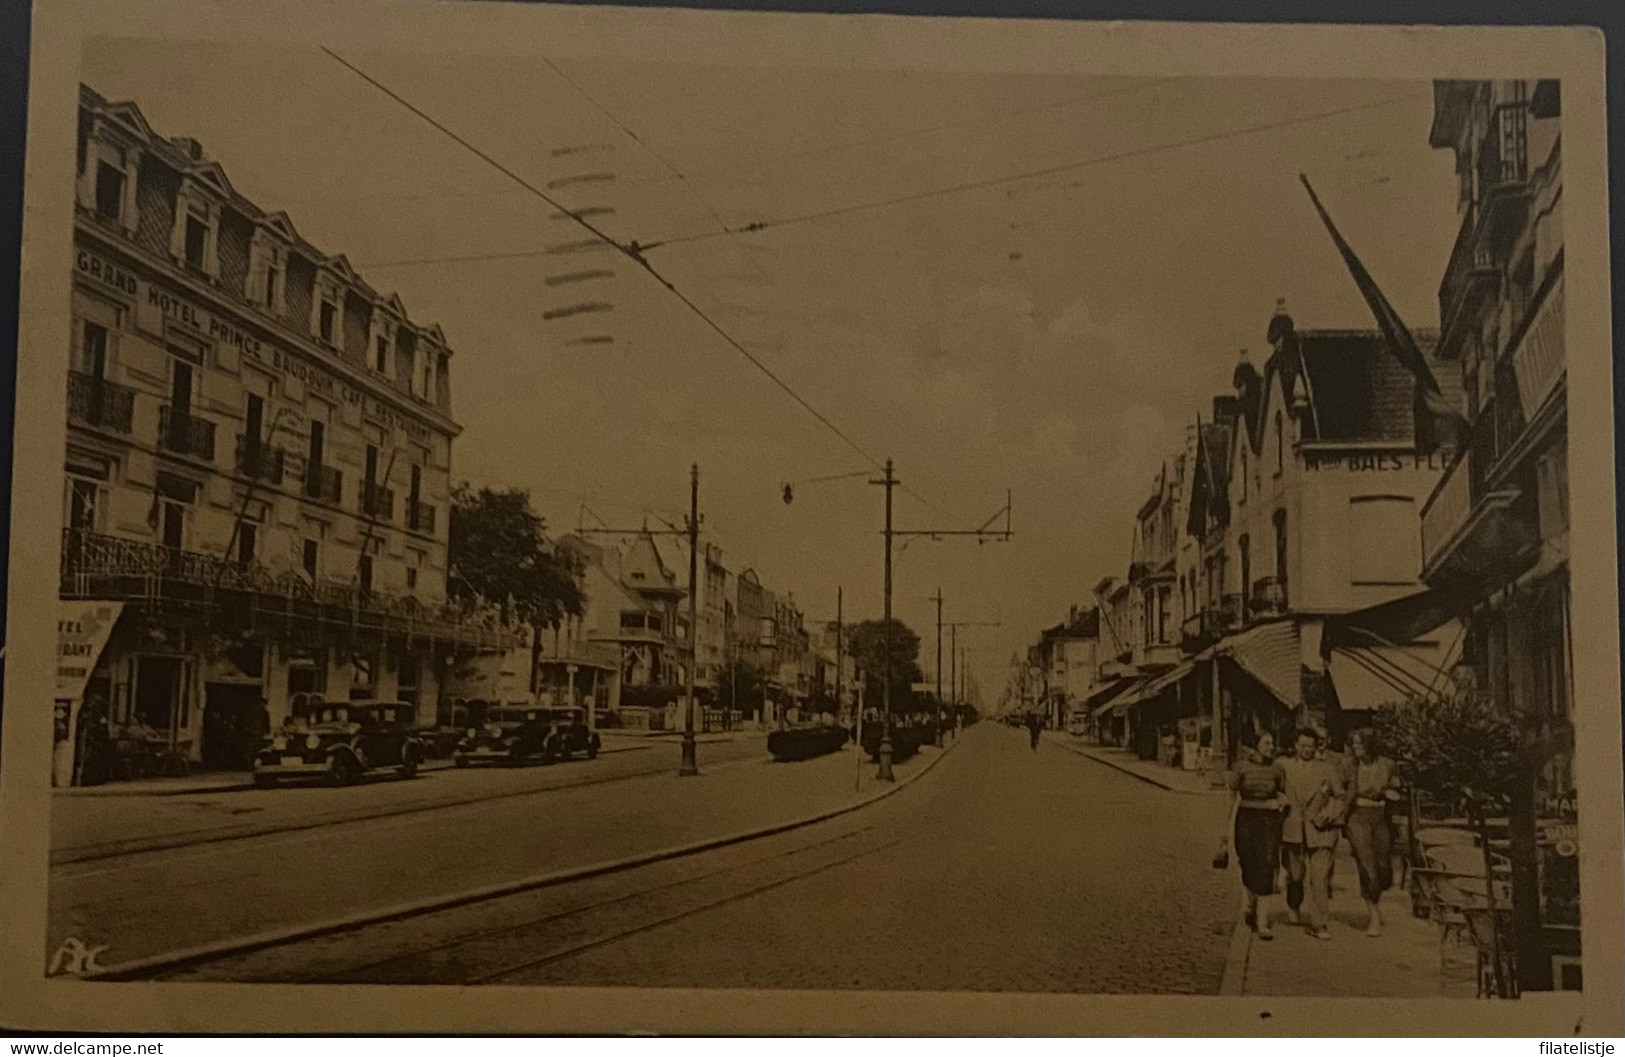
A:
[1172,676]
[1270,654]
[1130,694]
[1368,677]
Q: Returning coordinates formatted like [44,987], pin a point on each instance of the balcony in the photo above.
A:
[324,483]
[100,404]
[377,502]
[95,565]
[1268,598]
[1503,173]
[1203,629]
[1469,279]
[183,433]
[420,517]
[259,461]
[1538,358]
[1469,528]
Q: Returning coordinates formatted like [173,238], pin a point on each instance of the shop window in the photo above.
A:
[307,674]
[363,677]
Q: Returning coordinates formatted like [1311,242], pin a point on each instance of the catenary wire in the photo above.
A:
[631,251]
[1033,174]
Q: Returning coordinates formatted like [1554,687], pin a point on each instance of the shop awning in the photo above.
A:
[1269,653]
[1172,676]
[1108,688]
[1406,619]
[1368,677]
[1128,696]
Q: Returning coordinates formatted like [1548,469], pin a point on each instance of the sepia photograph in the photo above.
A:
[581,518]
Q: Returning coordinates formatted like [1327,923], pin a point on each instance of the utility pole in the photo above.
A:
[937,598]
[690,765]
[885,772]
[840,655]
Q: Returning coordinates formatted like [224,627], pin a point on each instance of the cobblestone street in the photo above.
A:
[937,887]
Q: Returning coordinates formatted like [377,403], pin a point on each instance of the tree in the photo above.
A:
[868,642]
[498,554]
[1456,748]
[740,687]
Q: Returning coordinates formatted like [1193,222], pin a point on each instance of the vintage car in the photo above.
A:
[569,735]
[340,742]
[510,734]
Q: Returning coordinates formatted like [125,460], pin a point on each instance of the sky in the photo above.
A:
[1053,337]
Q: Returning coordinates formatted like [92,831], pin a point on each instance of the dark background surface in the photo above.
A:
[1609,15]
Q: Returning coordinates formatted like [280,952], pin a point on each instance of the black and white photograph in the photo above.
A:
[582,518]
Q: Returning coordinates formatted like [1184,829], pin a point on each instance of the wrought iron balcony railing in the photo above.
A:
[98,403]
[259,460]
[96,565]
[184,433]
[420,517]
[324,483]
[377,502]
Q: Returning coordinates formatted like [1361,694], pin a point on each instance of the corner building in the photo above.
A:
[257,484]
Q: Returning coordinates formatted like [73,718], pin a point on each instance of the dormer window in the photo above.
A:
[268,273]
[107,173]
[381,341]
[324,312]
[195,239]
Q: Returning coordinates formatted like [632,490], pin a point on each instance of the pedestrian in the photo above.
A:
[1309,835]
[1257,806]
[1372,785]
[1034,728]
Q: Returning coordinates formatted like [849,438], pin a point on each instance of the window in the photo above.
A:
[1244,546]
[1280,546]
[365,572]
[325,328]
[247,539]
[93,350]
[84,500]
[109,191]
[311,557]
[1280,443]
[273,285]
[197,237]
[1244,476]
[411,578]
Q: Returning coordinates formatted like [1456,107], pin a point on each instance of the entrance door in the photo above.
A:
[158,686]
[233,724]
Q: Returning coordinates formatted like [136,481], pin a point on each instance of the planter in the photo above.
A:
[905,742]
[805,743]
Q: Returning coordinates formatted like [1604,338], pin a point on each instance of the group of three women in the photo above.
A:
[1287,815]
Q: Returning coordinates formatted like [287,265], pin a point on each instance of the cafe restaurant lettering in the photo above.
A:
[174,307]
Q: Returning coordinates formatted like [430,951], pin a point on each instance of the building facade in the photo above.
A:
[1495,531]
[257,477]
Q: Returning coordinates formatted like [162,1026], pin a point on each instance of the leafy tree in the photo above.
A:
[499,554]
[740,686]
[869,641]
[1459,747]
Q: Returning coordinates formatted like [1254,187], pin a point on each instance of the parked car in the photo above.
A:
[568,735]
[340,742]
[1077,724]
[509,734]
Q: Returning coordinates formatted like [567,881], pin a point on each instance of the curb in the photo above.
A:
[1105,762]
[1234,982]
[165,844]
[143,967]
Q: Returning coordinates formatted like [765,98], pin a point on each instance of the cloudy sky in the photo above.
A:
[1054,336]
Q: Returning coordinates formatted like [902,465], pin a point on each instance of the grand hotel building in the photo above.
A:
[257,476]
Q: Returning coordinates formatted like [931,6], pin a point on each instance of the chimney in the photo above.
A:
[1280,324]
[189,147]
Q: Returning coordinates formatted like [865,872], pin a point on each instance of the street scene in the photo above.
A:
[813,529]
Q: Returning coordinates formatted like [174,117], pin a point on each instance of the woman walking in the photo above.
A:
[1255,819]
[1372,783]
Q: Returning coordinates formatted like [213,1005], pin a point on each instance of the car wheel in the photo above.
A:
[460,761]
[409,767]
[265,781]
[592,748]
[344,771]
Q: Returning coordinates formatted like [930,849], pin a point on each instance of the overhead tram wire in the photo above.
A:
[887,203]
[632,251]
[1033,174]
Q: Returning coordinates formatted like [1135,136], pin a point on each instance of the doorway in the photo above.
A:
[234,722]
[158,688]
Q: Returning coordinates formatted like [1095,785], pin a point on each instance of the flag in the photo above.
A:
[1393,329]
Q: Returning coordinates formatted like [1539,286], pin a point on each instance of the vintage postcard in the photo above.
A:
[556,519]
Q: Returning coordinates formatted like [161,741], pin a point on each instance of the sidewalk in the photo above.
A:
[1129,762]
[1404,962]
[233,781]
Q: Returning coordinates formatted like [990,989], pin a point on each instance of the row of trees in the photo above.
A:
[500,554]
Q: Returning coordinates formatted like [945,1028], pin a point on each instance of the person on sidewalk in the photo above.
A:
[1257,805]
[1034,728]
[1309,837]
[1372,785]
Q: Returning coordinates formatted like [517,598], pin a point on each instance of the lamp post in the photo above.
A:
[690,765]
[885,771]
